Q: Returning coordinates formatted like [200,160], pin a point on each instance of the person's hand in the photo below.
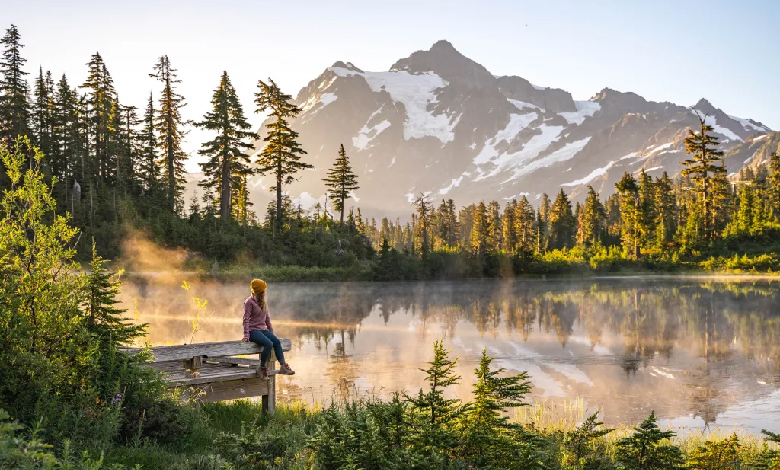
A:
[244,340]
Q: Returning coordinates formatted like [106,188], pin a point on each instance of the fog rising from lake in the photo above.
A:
[699,351]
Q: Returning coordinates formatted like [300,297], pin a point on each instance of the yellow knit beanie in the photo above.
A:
[257,286]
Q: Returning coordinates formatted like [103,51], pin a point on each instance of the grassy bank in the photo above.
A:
[237,435]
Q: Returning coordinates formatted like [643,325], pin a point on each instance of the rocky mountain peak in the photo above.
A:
[444,60]
[705,107]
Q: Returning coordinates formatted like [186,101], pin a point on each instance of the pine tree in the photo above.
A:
[489,436]
[717,455]
[629,212]
[43,113]
[665,213]
[341,180]
[563,225]
[543,224]
[773,184]
[423,228]
[508,224]
[646,210]
[14,106]
[228,163]
[722,200]
[494,226]
[525,218]
[104,320]
[590,229]
[66,140]
[700,168]
[282,153]
[435,413]
[102,106]
[148,162]
[578,445]
[480,230]
[170,132]
[648,449]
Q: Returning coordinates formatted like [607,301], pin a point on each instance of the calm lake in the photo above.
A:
[701,352]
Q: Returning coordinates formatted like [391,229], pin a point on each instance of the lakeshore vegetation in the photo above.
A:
[80,167]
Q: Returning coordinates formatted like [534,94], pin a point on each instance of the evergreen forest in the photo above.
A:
[119,170]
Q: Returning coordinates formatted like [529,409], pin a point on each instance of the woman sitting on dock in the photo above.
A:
[258,328]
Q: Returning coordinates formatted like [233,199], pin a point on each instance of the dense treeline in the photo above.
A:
[655,223]
[116,171]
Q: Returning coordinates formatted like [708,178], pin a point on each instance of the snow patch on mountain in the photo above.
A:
[727,133]
[454,184]
[521,105]
[592,175]
[367,134]
[585,109]
[567,152]
[749,126]
[417,92]
[517,122]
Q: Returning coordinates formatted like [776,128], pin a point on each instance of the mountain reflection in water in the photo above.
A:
[699,351]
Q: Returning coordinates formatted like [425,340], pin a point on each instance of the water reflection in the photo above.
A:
[697,351]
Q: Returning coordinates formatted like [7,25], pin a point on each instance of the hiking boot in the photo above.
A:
[264,373]
[286,370]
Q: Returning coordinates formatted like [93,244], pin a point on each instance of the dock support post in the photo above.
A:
[269,401]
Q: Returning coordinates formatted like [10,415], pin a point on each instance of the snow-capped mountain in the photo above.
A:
[441,124]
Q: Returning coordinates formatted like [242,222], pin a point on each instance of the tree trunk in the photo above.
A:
[224,198]
[279,193]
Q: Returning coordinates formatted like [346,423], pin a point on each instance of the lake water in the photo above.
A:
[701,352]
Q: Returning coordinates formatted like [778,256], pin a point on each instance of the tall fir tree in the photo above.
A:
[665,213]
[773,185]
[66,141]
[228,163]
[423,228]
[170,133]
[282,153]
[480,232]
[148,169]
[702,146]
[42,121]
[341,181]
[101,107]
[563,225]
[628,191]
[508,224]
[14,91]
[525,218]
[590,227]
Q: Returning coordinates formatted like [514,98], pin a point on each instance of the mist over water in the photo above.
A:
[701,352]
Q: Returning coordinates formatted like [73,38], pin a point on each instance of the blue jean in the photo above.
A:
[267,340]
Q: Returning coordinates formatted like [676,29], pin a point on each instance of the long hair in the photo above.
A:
[261,300]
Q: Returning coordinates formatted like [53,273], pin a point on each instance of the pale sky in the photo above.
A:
[661,50]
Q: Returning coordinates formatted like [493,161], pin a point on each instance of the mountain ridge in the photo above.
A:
[439,123]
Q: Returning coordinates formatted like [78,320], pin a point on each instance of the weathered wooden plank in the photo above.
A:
[233,389]
[228,374]
[224,348]
[243,361]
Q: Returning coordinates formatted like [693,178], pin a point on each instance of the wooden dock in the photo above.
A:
[215,369]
